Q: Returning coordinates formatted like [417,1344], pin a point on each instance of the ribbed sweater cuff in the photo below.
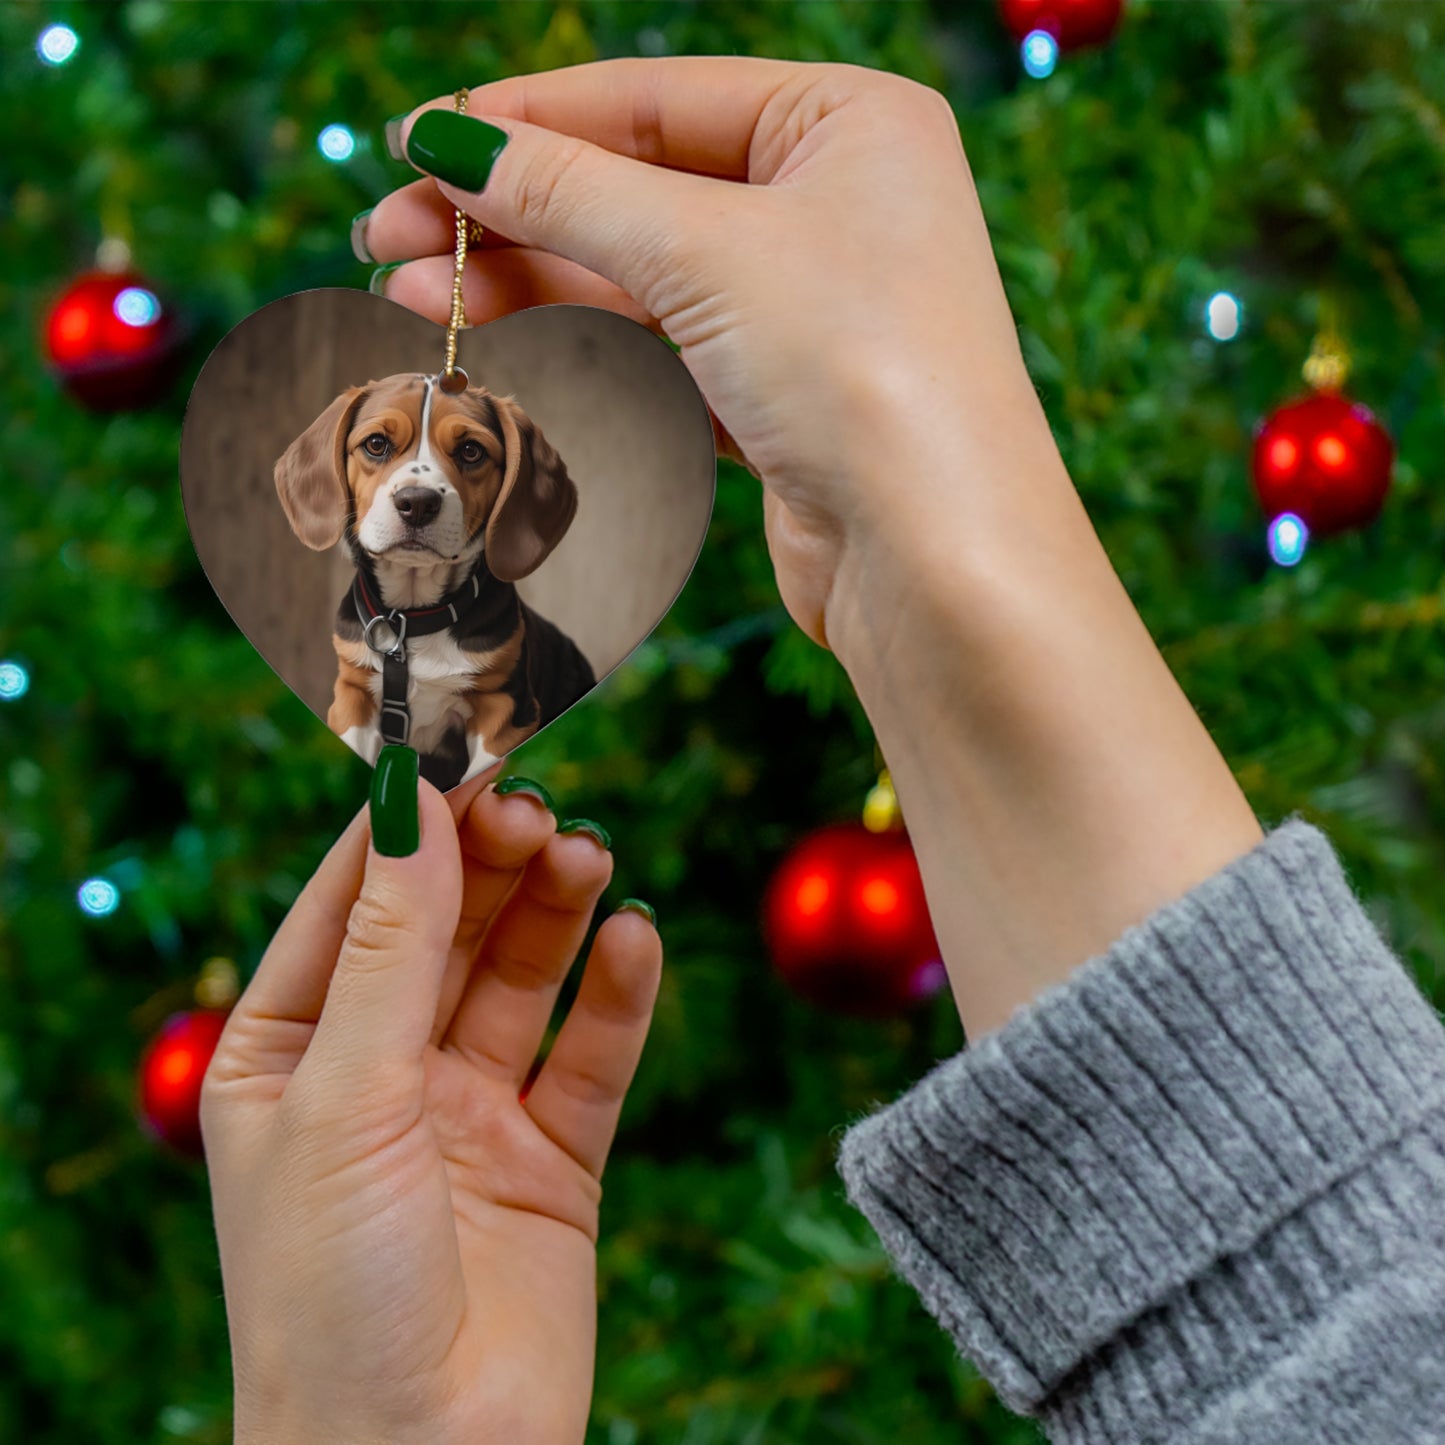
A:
[1169,1151]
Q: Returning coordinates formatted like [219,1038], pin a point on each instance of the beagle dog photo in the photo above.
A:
[444,499]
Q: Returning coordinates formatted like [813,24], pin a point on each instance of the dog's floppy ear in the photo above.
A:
[537,502]
[311,475]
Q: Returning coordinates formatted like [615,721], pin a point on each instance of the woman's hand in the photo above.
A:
[833,310]
[811,237]
[408,1247]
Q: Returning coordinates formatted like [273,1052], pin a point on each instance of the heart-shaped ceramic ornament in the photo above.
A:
[452,569]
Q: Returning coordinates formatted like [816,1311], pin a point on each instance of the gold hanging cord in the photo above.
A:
[453,378]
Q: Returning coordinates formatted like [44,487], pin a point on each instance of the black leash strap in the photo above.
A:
[397,624]
[395,721]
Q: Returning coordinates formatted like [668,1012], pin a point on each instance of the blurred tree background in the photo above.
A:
[1284,153]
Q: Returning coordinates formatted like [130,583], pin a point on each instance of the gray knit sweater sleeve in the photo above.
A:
[1197,1191]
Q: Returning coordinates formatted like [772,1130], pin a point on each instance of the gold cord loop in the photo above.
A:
[1328,366]
[453,378]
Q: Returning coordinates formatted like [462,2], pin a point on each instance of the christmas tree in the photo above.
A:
[1211,162]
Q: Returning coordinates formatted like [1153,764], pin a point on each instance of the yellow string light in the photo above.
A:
[1328,365]
[219,985]
[880,809]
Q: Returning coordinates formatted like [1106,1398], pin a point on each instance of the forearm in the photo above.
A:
[1056,782]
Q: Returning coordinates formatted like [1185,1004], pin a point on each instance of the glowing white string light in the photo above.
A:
[1040,53]
[57,44]
[98,897]
[336,143]
[1223,316]
[1288,538]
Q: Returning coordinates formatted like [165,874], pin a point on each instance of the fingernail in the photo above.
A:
[393,136]
[455,148]
[359,248]
[395,820]
[586,825]
[514,784]
[377,284]
[636,905]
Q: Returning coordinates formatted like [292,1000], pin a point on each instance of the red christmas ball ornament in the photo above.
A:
[112,342]
[1073,23]
[1326,459]
[847,924]
[171,1071]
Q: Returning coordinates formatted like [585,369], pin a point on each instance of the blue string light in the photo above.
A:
[136,306]
[57,44]
[1223,316]
[336,143]
[1040,53]
[98,897]
[14,681]
[1288,538]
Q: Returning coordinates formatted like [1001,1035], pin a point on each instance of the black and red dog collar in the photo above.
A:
[403,623]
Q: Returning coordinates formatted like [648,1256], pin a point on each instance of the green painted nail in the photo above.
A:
[377,284]
[636,905]
[393,136]
[515,784]
[395,820]
[359,248]
[455,148]
[586,825]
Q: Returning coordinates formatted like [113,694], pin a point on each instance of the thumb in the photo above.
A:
[632,223]
[382,1000]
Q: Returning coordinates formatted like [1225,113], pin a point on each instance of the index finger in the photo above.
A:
[698,113]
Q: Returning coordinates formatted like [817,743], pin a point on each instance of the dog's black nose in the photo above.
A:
[417,505]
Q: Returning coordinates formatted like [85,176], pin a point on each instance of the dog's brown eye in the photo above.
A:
[470,453]
[377,444]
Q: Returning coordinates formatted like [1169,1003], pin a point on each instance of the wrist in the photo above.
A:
[268,1418]
[279,1428]
[1057,784]
[965,502]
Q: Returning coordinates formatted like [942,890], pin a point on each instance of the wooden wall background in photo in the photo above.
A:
[612,398]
